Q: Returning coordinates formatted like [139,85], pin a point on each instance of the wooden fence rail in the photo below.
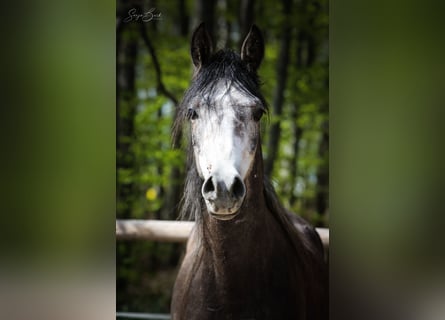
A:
[170,231]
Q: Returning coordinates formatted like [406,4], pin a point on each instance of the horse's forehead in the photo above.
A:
[230,95]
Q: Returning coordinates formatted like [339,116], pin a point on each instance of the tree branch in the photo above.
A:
[278,99]
[159,84]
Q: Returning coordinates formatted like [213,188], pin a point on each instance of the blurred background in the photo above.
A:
[153,71]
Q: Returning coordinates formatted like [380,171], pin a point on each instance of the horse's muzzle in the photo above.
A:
[223,201]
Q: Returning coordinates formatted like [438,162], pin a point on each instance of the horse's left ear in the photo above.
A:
[252,50]
[201,47]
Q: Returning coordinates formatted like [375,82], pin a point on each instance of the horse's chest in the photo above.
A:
[262,283]
[246,291]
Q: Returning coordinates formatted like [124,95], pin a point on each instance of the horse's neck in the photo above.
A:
[246,261]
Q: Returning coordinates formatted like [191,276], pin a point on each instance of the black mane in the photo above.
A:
[225,65]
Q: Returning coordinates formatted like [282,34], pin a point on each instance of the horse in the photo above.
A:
[247,257]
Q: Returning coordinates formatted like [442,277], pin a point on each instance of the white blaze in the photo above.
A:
[224,147]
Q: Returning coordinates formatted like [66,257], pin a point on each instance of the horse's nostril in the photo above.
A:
[238,189]
[208,186]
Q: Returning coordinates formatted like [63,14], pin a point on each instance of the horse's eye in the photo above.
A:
[257,114]
[191,114]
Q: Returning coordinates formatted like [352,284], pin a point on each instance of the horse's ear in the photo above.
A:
[201,48]
[252,50]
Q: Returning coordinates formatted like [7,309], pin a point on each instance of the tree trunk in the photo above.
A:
[205,12]
[322,193]
[126,55]
[296,133]
[278,97]
[183,19]
[127,51]
[246,18]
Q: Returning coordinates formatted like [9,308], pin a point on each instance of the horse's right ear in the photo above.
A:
[201,48]
[252,50]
